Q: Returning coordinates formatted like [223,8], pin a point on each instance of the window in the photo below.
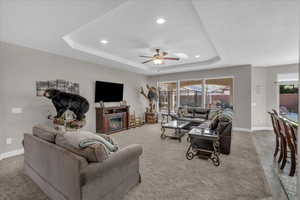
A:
[167,96]
[208,93]
[288,100]
[191,93]
[219,93]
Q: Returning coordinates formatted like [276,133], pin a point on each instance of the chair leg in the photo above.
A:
[276,148]
[281,153]
[284,159]
[293,164]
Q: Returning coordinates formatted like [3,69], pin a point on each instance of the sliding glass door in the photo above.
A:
[219,93]
[191,93]
[208,93]
[167,96]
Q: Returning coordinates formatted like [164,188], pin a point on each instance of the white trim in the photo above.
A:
[219,77]
[263,128]
[178,94]
[242,129]
[11,153]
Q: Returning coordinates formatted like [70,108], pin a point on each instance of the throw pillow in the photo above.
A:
[92,153]
[86,138]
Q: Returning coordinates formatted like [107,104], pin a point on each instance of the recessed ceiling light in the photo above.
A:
[182,55]
[161,20]
[197,56]
[104,41]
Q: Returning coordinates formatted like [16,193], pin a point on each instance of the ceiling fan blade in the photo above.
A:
[146,56]
[168,58]
[147,61]
[164,53]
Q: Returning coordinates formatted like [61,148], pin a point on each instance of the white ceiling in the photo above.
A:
[137,33]
[222,32]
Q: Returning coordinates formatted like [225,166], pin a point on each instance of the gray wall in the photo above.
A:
[19,69]
[242,88]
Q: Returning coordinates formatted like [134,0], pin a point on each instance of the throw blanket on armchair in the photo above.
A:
[84,139]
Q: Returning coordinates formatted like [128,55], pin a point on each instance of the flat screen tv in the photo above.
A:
[108,92]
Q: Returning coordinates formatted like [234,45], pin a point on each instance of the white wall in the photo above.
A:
[259,97]
[241,91]
[21,67]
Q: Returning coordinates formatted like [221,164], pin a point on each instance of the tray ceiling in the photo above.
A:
[256,32]
[132,29]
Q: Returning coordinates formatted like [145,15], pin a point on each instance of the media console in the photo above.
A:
[112,119]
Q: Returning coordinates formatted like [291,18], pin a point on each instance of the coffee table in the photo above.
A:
[195,149]
[177,125]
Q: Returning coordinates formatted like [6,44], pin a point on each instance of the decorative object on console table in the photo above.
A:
[112,119]
[151,118]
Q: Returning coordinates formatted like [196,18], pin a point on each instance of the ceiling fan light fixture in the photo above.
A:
[158,61]
[182,55]
[161,20]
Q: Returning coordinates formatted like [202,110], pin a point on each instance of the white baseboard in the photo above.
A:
[241,129]
[11,153]
[264,128]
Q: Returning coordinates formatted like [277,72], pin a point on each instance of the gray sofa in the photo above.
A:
[63,175]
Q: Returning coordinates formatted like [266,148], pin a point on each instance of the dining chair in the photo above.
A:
[291,145]
[277,135]
[282,144]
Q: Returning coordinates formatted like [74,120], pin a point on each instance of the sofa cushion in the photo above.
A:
[92,153]
[45,132]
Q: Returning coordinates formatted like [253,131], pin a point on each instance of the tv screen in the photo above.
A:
[108,92]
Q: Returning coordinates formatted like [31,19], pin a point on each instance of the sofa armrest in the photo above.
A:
[56,166]
[117,160]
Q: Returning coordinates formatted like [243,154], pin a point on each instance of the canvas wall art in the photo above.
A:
[62,85]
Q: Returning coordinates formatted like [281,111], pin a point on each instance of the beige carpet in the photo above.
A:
[166,173]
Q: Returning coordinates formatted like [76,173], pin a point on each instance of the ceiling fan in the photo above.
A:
[158,58]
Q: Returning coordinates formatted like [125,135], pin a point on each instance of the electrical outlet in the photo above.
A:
[8,140]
